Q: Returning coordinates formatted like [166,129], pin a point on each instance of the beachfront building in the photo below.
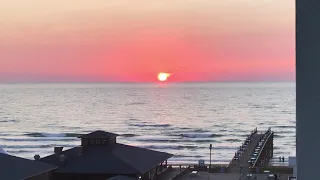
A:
[16,168]
[100,157]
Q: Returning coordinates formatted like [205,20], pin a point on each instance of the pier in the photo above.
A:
[264,150]
[255,152]
[242,159]
[250,161]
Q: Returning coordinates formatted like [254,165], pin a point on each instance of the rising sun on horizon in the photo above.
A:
[163,76]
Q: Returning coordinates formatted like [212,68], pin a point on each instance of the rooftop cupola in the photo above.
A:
[98,138]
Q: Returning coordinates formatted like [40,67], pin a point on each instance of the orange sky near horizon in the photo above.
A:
[124,40]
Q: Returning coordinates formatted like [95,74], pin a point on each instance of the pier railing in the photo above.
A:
[242,149]
[263,149]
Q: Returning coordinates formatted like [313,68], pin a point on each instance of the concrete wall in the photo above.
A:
[293,164]
[308,88]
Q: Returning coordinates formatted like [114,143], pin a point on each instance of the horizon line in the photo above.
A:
[145,82]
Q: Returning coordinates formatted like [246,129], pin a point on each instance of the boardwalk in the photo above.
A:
[245,156]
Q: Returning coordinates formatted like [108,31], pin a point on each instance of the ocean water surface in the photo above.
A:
[183,118]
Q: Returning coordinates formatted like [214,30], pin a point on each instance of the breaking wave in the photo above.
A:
[196,135]
[150,125]
[176,147]
[52,135]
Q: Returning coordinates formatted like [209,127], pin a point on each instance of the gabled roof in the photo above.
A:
[99,134]
[122,178]
[15,168]
[117,159]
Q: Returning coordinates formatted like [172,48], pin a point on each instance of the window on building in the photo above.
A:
[91,142]
[104,142]
[98,141]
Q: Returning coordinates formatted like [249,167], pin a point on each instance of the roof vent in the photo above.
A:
[37,157]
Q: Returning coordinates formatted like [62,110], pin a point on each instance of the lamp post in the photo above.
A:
[210,147]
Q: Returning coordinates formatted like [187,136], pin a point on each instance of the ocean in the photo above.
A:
[182,118]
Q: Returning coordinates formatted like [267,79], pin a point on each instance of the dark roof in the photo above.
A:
[15,168]
[99,134]
[3,151]
[122,178]
[117,159]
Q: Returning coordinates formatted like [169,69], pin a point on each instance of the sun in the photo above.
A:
[163,76]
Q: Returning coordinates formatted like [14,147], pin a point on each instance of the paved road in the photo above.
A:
[243,160]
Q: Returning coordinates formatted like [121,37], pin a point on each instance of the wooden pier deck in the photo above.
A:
[245,156]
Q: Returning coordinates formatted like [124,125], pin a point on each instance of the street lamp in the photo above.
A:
[210,147]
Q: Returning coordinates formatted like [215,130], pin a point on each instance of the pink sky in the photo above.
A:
[125,40]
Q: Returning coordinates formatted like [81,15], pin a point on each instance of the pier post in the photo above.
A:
[210,147]
[307,89]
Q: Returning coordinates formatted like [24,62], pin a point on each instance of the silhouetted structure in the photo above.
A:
[16,168]
[100,157]
[122,178]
